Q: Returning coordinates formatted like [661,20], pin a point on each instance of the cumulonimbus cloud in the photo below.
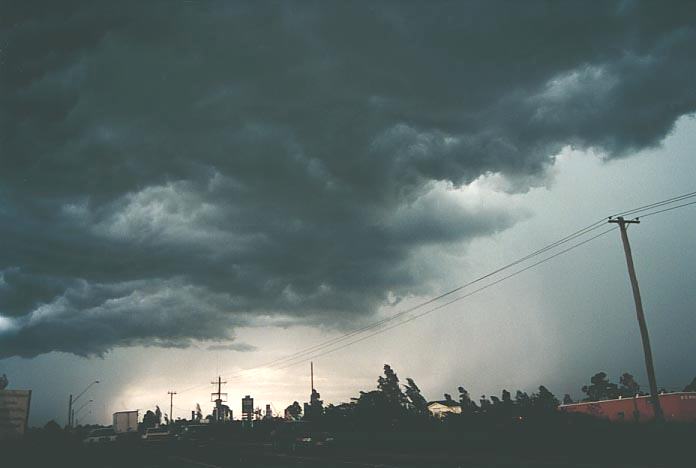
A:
[170,175]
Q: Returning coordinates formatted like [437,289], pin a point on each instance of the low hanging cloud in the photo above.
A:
[170,174]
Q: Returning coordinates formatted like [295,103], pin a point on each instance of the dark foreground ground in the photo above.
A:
[586,447]
[233,455]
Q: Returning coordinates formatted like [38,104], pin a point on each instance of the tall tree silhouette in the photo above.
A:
[507,398]
[629,386]
[294,411]
[413,393]
[522,400]
[465,402]
[390,388]
[149,419]
[544,400]
[600,388]
[316,405]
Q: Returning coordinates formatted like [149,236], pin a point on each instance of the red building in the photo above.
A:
[679,406]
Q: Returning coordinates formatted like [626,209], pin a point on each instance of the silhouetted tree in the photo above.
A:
[544,400]
[374,409]
[315,409]
[691,387]
[294,411]
[465,402]
[149,419]
[629,387]
[413,393]
[390,388]
[52,427]
[522,400]
[507,398]
[340,414]
[567,399]
[316,403]
[600,388]
[371,399]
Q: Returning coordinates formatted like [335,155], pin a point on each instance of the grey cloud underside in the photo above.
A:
[168,174]
[232,347]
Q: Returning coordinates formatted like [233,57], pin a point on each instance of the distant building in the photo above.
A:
[440,409]
[222,413]
[14,412]
[679,406]
[247,408]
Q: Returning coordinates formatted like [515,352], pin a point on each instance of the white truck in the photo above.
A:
[125,421]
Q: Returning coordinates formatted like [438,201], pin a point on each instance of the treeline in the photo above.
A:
[394,403]
[601,388]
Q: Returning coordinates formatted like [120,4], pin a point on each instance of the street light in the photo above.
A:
[72,401]
[77,413]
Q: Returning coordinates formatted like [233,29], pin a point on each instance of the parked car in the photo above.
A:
[322,439]
[156,435]
[197,434]
[296,436]
[100,436]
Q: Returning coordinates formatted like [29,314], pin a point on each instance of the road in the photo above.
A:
[230,457]
[239,455]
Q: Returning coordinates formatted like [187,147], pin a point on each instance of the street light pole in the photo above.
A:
[77,413]
[69,424]
[71,413]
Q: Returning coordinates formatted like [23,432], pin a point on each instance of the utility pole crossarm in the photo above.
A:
[659,416]
[620,220]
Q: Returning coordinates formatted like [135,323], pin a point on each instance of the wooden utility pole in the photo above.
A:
[219,387]
[641,317]
[171,406]
[70,412]
[218,400]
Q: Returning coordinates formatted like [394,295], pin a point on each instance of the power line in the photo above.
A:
[441,306]
[333,341]
[373,325]
[459,298]
[667,209]
[303,354]
[656,204]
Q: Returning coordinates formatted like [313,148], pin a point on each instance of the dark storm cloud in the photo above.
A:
[232,347]
[172,170]
[91,319]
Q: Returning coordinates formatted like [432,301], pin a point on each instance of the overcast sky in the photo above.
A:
[188,189]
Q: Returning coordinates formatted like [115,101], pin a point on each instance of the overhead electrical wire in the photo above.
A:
[668,201]
[667,209]
[456,299]
[331,342]
[329,346]
[309,353]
